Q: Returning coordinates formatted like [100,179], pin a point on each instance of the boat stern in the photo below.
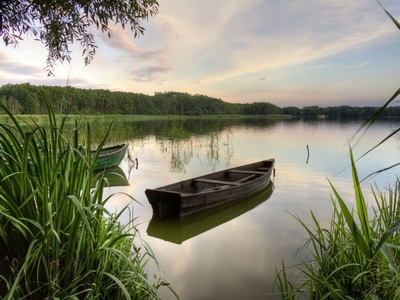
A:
[164,203]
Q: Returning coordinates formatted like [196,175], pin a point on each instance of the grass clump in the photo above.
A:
[58,241]
[356,258]
[177,132]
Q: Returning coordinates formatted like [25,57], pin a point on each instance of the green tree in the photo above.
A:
[312,111]
[13,105]
[58,23]
[291,110]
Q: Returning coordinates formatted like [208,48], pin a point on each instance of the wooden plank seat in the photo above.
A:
[263,169]
[216,181]
[246,178]
[246,172]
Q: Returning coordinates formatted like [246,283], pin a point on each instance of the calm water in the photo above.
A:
[233,253]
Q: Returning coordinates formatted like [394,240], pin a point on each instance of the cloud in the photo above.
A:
[361,65]
[14,70]
[12,67]
[151,73]
[146,65]
[266,35]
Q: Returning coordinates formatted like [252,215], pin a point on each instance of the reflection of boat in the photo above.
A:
[178,230]
[110,156]
[115,176]
[198,194]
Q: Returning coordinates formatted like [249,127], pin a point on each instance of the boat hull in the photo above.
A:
[110,157]
[178,230]
[209,191]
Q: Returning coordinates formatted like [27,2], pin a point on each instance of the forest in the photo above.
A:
[26,99]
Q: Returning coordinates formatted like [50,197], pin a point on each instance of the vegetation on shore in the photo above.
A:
[22,99]
[125,118]
[58,239]
[357,257]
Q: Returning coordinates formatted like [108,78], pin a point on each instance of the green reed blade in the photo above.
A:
[357,235]
[388,233]
[360,202]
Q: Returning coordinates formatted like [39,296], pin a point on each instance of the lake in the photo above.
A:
[232,253]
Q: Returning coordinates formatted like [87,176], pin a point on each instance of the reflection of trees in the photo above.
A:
[180,152]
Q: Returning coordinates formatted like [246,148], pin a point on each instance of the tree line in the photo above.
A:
[25,99]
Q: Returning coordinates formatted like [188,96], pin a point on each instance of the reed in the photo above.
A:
[177,132]
[357,257]
[58,241]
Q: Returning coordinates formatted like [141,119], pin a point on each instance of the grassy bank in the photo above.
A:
[58,239]
[71,118]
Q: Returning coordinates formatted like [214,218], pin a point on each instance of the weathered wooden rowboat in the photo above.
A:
[110,157]
[178,230]
[198,194]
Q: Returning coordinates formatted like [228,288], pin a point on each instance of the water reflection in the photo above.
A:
[178,230]
[114,177]
[181,151]
[214,143]
[237,259]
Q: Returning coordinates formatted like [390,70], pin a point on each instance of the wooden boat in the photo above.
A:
[202,193]
[110,157]
[178,230]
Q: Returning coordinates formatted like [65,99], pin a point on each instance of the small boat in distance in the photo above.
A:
[110,156]
[198,194]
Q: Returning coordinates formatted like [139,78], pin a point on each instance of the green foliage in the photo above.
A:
[177,131]
[90,102]
[261,108]
[23,99]
[312,111]
[291,110]
[58,241]
[58,23]
[356,258]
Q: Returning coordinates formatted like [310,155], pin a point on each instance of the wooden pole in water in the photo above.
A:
[308,154]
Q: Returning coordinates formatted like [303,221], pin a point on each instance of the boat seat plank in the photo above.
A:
[246,172]
[263,169]
[183,194]
[247,178]
[216,181]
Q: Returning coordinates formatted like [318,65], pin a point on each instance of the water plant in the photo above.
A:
[178,132]
[58,241]
[358,257]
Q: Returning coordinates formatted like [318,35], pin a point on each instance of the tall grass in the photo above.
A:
[58,241]
[357,257]
[178,132]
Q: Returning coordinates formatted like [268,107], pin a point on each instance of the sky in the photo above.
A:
[285,52]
